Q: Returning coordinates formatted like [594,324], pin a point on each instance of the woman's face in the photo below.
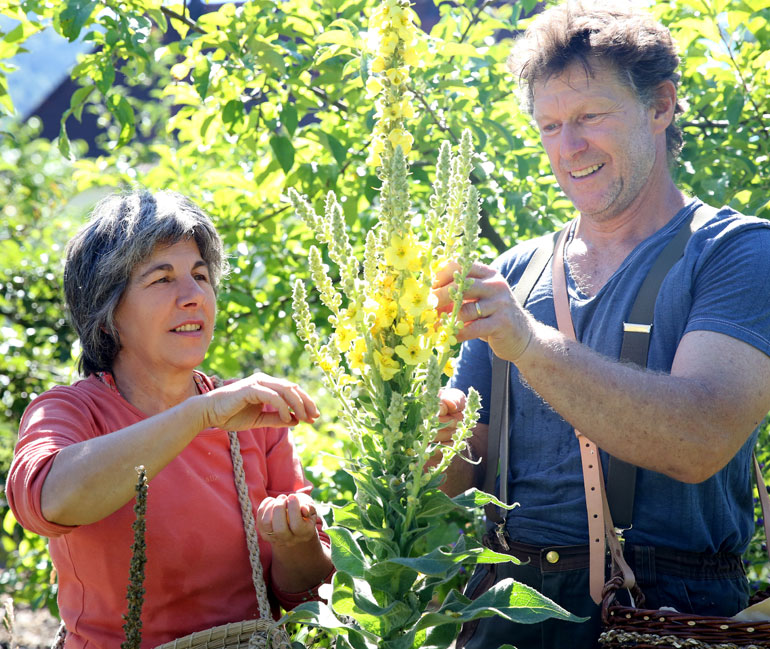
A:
[165,318]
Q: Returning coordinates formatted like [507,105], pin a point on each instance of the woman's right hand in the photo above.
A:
[240,405]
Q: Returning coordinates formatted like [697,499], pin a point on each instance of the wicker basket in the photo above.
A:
[236,635]
[642,628]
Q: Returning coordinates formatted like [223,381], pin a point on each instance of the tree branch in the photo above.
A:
[173,15]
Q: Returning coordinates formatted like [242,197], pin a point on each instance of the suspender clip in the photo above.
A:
[631,327]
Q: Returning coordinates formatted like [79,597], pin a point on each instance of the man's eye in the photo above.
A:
[549,128]
[161,280]
[590,116]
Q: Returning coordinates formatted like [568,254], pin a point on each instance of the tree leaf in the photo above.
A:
[289,118]
[284,151]
[74,17]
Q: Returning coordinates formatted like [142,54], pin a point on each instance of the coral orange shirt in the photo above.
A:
[197,573]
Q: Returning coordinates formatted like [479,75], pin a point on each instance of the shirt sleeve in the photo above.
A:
[52,422]
[731,294]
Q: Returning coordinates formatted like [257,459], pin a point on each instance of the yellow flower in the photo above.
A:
[403,328]
[343,337]
[357,356]
[400,137]
[387,366]
[395,12]
[413,350]
[374,159]
[411,58]
[429,317]
[449,367]
[397,76]
[378,65]
[401,251]
[383,311]
[416,297]
[373,87]
[376,149]
[406,108]
[327,364]
[418,258]
[445,339]
[388,44]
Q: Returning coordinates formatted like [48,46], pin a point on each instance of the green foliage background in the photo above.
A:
[253,99]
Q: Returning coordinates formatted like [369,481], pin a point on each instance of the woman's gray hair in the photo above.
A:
[123,231]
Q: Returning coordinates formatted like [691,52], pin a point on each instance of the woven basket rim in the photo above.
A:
[686,625]
[219,636]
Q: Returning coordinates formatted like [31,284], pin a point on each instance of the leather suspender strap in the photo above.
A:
[598,512]
[497,442]
[764,501]
[621,476]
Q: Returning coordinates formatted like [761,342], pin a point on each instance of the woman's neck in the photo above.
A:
[153,392]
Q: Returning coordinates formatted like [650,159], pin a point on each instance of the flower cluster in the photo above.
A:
[393,39]
[390,345]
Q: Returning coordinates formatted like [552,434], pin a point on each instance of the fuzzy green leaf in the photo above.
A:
[346,553]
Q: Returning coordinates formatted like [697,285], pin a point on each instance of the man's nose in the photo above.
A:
[571,141]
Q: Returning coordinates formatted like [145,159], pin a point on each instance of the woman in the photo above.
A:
[140,281]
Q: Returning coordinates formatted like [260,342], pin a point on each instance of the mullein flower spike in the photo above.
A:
[389,346]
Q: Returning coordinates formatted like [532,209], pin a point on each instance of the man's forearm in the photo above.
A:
[687,424]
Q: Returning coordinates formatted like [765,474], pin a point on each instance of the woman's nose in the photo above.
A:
[191,293]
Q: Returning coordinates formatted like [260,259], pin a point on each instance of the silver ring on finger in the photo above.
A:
[478,310]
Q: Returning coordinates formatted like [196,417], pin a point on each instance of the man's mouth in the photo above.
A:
[187,327]
[586,172]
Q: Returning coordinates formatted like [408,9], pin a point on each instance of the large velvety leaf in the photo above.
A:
[346,553]
[476,498]
[321,615]
[442,559]
[509,599]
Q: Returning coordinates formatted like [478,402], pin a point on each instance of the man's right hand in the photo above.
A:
[489,311]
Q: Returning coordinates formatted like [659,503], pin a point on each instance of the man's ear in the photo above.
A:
[663,106]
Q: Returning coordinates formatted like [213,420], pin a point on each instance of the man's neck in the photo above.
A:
[647,214]
[600,246]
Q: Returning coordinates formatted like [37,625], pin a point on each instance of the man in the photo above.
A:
[601,85]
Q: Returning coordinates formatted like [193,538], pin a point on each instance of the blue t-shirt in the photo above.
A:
[722,284]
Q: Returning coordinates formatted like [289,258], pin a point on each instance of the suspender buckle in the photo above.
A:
[619,533]
[500,533]
[632,327]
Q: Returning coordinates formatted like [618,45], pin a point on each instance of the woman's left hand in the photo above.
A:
[287,520]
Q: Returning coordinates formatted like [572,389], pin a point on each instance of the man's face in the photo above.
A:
[599,140]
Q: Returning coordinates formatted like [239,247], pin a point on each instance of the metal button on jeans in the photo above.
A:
[552,556]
